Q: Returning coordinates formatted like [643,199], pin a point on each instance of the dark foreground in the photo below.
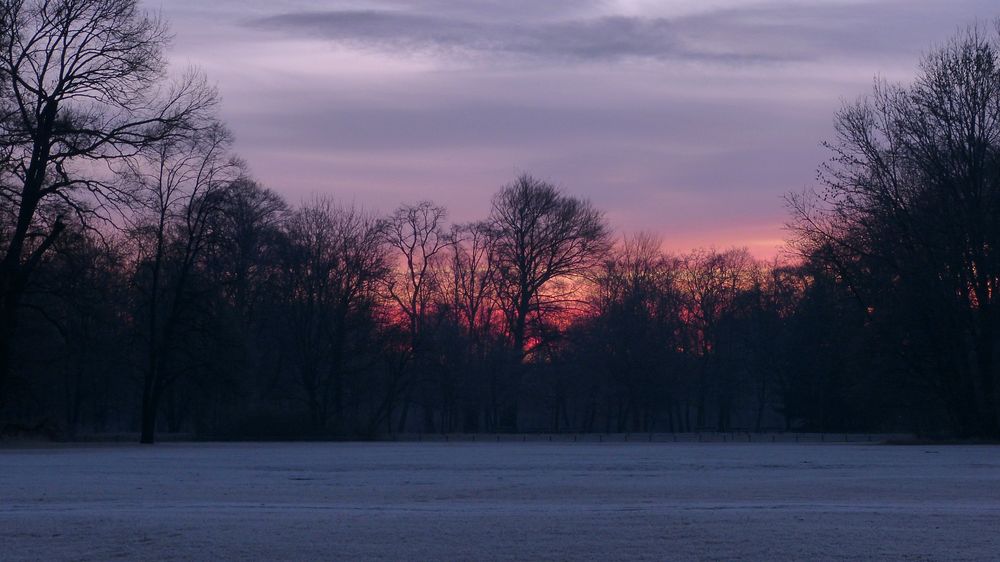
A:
[508,501]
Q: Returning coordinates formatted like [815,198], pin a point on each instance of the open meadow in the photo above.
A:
[506,501]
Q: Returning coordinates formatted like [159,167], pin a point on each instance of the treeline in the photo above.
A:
[237,315]
[149,284]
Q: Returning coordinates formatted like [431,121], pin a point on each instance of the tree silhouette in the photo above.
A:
[908,218]
[541,237]
[81,92]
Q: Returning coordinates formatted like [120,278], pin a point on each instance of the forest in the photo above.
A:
[149,285]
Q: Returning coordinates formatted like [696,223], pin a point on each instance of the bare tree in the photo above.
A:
[472,282]
[332,274]
[908,219]
[243,263]
[713,280]
[247,238]
[636,332]
[419,238]
[418,235]
[544,243]
[468,300]
[82,83]
[182,182]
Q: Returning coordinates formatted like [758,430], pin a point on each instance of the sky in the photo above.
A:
[690,119]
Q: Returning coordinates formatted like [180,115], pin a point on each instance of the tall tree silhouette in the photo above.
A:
[331,277]
[542,237]
[908,218]
[182,182]
[419,239]
[81,91]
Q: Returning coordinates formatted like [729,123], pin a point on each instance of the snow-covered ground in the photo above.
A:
[507,501]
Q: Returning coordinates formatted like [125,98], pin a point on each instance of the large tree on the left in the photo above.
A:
[84,89]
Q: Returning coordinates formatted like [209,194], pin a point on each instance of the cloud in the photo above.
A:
[675,116]
[747,33]
[604,38]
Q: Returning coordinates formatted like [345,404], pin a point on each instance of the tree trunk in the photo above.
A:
[150,405]
[761,404]
[406,411]
[8,325]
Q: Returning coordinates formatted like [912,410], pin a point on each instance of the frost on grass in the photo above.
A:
[500,501]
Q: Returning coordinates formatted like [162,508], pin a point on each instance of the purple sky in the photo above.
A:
[688,118]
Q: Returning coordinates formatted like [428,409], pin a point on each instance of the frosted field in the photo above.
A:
[421,501]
